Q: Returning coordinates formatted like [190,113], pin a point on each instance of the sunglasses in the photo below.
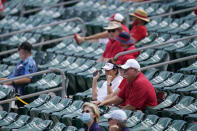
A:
[111,30]
[86,111]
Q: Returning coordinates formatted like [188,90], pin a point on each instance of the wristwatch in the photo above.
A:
[109,84]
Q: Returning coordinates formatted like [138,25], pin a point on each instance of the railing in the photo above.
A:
[42,26]
[63,88]
[155,45]
[38,9]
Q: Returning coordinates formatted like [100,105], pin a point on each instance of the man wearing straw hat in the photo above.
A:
[139,31]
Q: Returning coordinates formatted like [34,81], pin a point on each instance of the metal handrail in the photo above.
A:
[63,88]
[54,5]
[169,62]
[144,2]
[155,45]
[45,25]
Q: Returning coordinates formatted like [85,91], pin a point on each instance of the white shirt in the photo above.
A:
[102,92]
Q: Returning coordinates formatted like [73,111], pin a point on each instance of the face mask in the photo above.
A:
[86,118]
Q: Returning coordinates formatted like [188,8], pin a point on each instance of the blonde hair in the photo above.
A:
[94,108]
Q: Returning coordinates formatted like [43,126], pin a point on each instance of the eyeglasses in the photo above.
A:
[86,111]
[111,31]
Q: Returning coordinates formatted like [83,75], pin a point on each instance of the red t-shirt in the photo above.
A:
[112,48]
[125,28]
[122,59]
[140,93]
[195,11]
[138,32]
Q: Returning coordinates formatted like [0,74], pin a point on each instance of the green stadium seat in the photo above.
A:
[46,106]
[151,73]
[192,108]
[69,60]
[145,55]
[191,117]
[97,53]
[191,127]
[34,104]
[187,89]
[6,92]
[174,79]
[149,121]
[135,119]
[169,101]
[2,114]
[189,68]
[177,125]
[161,38]
[76,105]
[82,95]
[45,114]
[10,118]
[183,27]
[161,124]
[162,76]
[36,124]
[188,80]
[21,121]
[194,93]
[58,127]
[71,128]
[7,72]
[162,25]
[173,25]
[153,23]
[184,102]
[159,56]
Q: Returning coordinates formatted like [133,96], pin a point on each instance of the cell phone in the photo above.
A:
[96,72]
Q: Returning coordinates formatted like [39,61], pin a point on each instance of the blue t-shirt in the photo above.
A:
[125,129]
[23,68]
[94,127]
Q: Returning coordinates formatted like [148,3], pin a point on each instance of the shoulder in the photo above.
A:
[97,127]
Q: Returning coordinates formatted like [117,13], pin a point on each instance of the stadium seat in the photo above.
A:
[58,127]
[149,121]
[191,127]
[10,118]
[169,101]
[162,76]
[2,114]
[135,119]
[58,107]
[145,55]
[69,60]
[151,73]
[21,121]
[176,125]
[6,92]
[34,112]
[76,105]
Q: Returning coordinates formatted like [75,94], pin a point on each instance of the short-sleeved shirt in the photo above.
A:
[125,129]
[140,93]
[102,92]
[94,127]
[122,59]
[195,11]
[112,48]
[23,68]
[138,32]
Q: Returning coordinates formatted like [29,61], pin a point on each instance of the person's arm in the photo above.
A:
[113,94]
[114,100]
[109,88]
[97,36]
[94,86]
[19,81]
[129,107]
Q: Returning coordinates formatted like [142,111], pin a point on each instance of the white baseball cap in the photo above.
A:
[116,114]
[108,66]
[131,63]
[116,17]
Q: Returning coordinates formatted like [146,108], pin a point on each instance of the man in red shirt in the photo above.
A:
[136,92]
[115,17]
[139,31]
[113,46]
[127,43]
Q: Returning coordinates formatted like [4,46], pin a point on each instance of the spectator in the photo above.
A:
[113,46]
[25,66]
[139,31]
[103,36]
[90,116]
[108,87]
[136,93]
[117,120]
[127,43]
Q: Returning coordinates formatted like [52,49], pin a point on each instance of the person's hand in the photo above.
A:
[114,128]
[96,102]
[97,76]
[113,60]
[101,104]
[109,79]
